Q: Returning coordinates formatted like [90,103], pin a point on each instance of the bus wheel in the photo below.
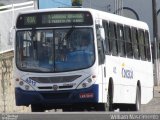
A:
[37,108]
[137,105]
[106,106]
[67,109]
[101,107]
[110,100]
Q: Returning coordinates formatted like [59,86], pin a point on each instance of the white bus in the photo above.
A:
[55,70]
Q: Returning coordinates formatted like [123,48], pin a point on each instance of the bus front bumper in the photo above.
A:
[65,97]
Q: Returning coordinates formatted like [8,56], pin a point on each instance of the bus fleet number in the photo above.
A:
[31,82]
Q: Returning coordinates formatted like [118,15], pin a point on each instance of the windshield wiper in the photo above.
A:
[69,33]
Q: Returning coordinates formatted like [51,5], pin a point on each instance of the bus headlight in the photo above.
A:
[23,85]
[87,82]
[84,85]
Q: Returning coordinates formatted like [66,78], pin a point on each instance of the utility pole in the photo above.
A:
[156,43]
[118,7]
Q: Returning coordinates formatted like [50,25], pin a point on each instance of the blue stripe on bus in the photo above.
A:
[64,97]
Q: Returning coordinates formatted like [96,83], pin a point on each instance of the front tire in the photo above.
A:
[106,106]
[37,108]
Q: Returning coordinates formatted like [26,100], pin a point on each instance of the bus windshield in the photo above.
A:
[55,50]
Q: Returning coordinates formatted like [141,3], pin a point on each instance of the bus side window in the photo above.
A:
[147,51]
[129,49]
[100,45]
[141,44]
[121,42]
[112,39]
[105,26]
[135,43]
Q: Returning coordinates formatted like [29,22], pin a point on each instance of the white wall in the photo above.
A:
[7,21]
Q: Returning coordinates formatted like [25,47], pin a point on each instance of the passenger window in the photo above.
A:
[105,26]
[129,50]
[101,52]
[121,42]
[112,39]
[141,44]
[148,52]
[135,43]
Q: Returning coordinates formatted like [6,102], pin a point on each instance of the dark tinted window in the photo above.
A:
[105,26]
[129,50]
[141,44]
[121,41]
[135,43]
[112,38]
[147,51]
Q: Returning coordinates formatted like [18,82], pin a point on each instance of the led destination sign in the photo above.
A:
[30,20]
[62,18]
[54,19]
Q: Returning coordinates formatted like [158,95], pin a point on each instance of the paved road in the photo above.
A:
[152,107]
[81,116]
[152,110]
[154,104]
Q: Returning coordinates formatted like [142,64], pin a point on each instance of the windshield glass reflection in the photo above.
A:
[55,50]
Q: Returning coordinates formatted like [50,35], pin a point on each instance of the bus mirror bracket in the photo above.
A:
[102,33]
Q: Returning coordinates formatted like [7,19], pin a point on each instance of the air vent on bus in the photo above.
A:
[42,88]
[59,79]
[50,88]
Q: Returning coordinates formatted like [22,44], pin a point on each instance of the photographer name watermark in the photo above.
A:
[9,116]
[134,117]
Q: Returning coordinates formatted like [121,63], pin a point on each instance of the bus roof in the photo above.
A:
[98,14]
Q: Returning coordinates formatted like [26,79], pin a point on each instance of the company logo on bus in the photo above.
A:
[127,73]
[55,87]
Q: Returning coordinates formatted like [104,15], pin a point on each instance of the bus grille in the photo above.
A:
[59,79]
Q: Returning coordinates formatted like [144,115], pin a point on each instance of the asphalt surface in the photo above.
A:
[154,105]
[150,111]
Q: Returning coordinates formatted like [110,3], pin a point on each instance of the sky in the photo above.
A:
[54,3]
